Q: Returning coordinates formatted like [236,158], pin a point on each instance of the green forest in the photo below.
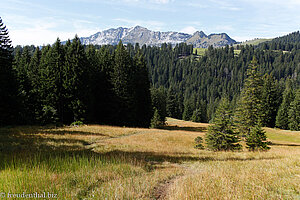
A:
[129,85]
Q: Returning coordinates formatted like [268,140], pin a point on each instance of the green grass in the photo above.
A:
[200,51]
[283,136]
[106,162]
[254,41]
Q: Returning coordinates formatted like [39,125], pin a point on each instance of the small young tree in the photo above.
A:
[256,139]
[156,121]
[199,142]
[221,135]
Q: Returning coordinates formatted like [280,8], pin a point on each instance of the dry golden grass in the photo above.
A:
[106,162]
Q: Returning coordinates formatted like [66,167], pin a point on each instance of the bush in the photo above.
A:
[77,123]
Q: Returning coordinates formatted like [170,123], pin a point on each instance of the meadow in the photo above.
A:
[107,162]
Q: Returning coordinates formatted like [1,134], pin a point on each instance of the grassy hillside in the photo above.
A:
[201,51]
[106,162]
[255,41]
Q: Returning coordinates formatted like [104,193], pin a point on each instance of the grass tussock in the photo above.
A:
[106,162]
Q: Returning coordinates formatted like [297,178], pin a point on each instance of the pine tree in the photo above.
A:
[282,120]
[249,112]
[270,101]
[142,93]
[294,113]
[9,105]
[21,66]
[221,136]
[172,106]
[156,121]
[76,79]
[256,139]
[158,97]
[197,116]
[188,110]
[52,84]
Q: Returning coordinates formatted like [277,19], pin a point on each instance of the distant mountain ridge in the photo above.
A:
[143,36]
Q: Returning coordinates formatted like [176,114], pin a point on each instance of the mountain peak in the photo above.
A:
[142,35]
[201,34]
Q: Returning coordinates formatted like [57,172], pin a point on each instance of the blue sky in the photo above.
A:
[41,22]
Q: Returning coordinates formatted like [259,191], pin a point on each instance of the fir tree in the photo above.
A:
[158,97]
[250,109]
[221,136]
[156,121]
[256,139]
[142,93]
[76,79]
[270,101]
[172,104]
[294,113]
[122,78]
[188,110]
[282,118]
[9,106]
[53,91]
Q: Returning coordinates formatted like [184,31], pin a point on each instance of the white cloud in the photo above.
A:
[161,1]
[189,30]
[41,31]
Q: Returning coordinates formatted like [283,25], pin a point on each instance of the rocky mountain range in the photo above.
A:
[143,36]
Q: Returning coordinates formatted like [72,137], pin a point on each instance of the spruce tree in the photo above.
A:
[156,121]
[158,97]
[76,79]
[172,104]
[52,85]
[142,93]
[282,118]
[256,139]
[188,110]
[270,101]
[22,67]
[122,78]
[9,105]
[250,109]
[221,136]
[294,113]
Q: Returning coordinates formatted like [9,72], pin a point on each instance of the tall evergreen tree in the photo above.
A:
[142,95]
[221,136]
[158,97]
[8,83]
[172,104]
[270,101]
[249,112]
[282,120]
[22,67]
[52,80]
[294,113]
[123,86]
[76,79]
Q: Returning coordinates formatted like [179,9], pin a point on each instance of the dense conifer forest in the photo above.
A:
[130,85]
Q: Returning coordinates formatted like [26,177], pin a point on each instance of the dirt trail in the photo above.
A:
[161,190]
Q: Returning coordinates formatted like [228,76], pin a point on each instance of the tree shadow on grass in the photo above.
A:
[185,128]
[22,148]
[283,144]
